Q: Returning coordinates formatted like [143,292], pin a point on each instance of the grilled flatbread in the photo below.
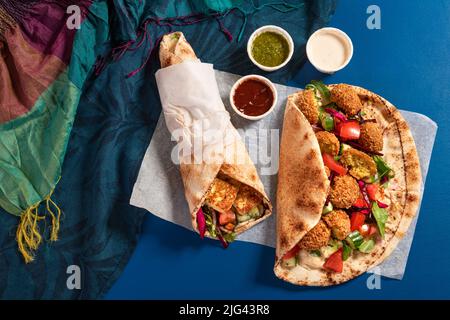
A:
[230,181]
[303,187]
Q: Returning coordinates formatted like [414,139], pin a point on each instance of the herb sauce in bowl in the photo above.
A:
[270,49]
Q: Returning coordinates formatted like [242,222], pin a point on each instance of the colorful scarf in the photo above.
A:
[43,66]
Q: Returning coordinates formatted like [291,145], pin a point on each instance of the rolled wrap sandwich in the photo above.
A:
[222,187]
[348,186]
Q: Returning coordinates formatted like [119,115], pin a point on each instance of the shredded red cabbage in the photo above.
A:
[221,239]
[382,205]
[362,188]
[336,114]
[201,223]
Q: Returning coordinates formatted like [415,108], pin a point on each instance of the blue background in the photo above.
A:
[407,62]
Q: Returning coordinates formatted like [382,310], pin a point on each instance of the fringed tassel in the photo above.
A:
[28,235]
[55,218]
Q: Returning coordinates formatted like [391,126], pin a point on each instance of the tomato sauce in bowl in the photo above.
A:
[253,97]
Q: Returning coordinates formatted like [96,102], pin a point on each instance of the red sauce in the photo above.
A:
[253,97]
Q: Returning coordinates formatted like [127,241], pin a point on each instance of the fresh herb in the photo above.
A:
[346,251]
[380,216]
[210,225]
[366,246]
[321,90]
[324,92]
[382,168]
[327,122]
[315,253]
[229,237]
[331,105]
[341,149]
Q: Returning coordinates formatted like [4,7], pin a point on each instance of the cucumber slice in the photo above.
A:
[328,208]
[289,263]
[254,212]
[367,246]
[331,248]
[354,239]
[243,218]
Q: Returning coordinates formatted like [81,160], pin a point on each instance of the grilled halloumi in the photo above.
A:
[221,196]
[246,200]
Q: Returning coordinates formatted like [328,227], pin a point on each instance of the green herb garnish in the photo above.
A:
[346,251]
[380,216]
[382,168]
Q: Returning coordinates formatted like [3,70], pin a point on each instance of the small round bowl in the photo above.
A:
[275,29]
[345,40]
[262,79]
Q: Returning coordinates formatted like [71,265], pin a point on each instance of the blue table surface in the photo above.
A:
[407,62]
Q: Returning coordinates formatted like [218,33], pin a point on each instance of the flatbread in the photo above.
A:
[293,222]
[232,161]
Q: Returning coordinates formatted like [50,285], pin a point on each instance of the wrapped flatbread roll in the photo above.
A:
[222,187]
[348,186]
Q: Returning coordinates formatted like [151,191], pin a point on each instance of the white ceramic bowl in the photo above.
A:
[262,79]
[275,29]
[342,37]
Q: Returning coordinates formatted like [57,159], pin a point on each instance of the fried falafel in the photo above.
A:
[339,223]
[328,142]
[361,166]
[344,192]
[316,238]
[346,98]
[371,137]
[307,103]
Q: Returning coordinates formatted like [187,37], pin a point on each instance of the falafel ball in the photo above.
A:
[371,137]
[344,192]
[339,223]
[316,238]
[361,166]
[328,142]
[346,98]
[307,103]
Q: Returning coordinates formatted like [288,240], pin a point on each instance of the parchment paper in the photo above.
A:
[159,188]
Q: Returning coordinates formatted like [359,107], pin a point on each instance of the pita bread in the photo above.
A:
[299,209]
[233,161]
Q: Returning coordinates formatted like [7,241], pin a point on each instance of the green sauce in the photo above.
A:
[270,49]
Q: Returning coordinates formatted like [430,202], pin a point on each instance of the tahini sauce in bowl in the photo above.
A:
[329,50]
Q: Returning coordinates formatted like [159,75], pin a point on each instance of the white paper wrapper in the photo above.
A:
[192,106]
[159,188]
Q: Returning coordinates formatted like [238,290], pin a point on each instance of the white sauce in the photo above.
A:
[328,50]
[309,261]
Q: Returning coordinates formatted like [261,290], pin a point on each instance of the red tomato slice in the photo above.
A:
[360,203]
[372,190]
[349,130]
[364,229]
[335,262]
[357,220]
[227,217]
[372,230]
[333,165]
[292,253]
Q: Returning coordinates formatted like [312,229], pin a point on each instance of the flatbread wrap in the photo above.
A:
[222,187]
[348,186]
